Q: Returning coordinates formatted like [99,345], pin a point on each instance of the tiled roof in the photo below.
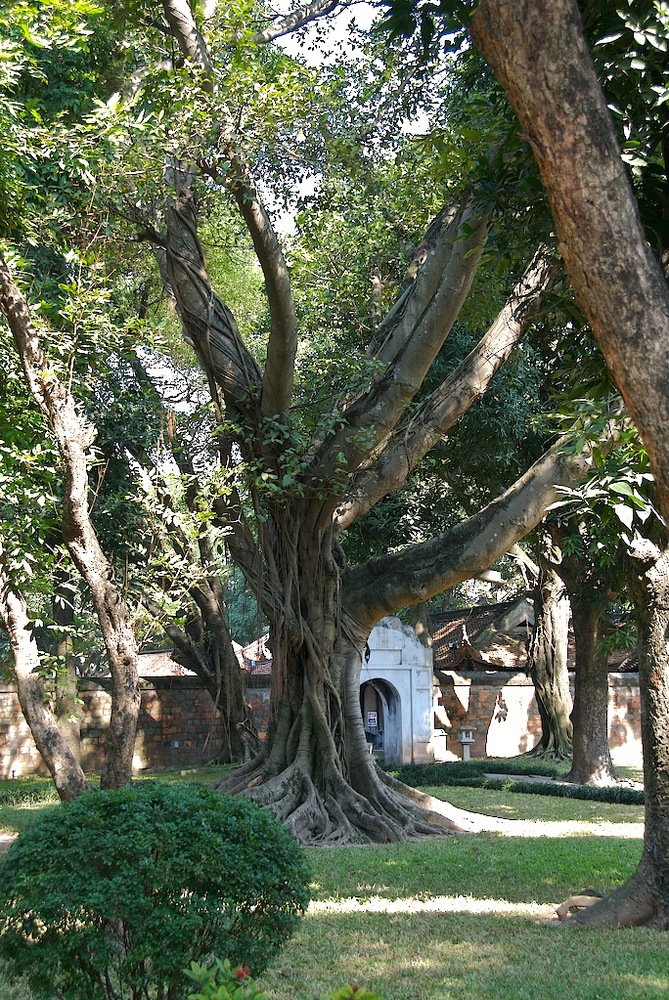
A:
[160,664]
[487,635]
[494,636]
[255,658]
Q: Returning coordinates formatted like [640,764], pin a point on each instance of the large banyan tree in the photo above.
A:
[289,494]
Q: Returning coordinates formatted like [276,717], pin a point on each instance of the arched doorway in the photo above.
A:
[382,718]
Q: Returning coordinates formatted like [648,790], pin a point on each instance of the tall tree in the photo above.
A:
[541,58]
[285,519]
[590,597]
[294,477]
[74,438]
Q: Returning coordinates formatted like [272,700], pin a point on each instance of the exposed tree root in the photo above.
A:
[636,903]
[335,813]
[598,779]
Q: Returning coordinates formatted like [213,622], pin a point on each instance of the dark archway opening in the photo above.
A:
[382,719]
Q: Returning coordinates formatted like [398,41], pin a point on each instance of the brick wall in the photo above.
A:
[178,725]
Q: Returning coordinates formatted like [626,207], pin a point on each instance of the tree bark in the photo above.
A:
[644,899]
[74,438]
[547,662]
[314,771]
[63,765]
[67,704]
[591,764]
[541,58]
[205,647]
[591,589]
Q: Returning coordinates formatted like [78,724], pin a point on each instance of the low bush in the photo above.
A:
[220,981]
[509,776]
[114,894]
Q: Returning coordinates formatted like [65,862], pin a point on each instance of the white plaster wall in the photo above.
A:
[399,658]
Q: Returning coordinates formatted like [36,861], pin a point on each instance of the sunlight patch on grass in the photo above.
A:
[542,808]
[432,904]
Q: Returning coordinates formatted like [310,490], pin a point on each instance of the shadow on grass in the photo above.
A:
[455,956]
[387,918]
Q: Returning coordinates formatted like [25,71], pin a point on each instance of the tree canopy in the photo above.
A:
[385,317]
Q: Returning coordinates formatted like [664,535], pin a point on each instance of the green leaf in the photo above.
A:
[624,514]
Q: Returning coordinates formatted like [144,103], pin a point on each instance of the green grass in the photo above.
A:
[397,918]
[437,956]
[516,805]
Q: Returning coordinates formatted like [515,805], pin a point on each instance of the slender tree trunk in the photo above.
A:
[74,437]
[63,765]
[547,662]
[205,647]
[592,764]
[67,704]
[644,899]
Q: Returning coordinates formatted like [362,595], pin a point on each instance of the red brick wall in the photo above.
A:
[179,727]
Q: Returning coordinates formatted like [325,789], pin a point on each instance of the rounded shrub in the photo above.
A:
[114,894]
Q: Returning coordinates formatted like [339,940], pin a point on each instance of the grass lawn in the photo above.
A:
[454,918]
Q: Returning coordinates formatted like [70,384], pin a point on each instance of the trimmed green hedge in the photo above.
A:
[477,774]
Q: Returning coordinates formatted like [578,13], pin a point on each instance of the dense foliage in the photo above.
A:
[116,893]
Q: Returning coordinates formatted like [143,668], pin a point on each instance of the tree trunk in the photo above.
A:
[315,772]
[74,437]
[63,766]
[541,58]
[67,704]
[547,662]
[592,764]
[644,899]
[205,647]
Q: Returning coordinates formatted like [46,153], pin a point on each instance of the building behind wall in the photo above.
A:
[412,709]
[396,690]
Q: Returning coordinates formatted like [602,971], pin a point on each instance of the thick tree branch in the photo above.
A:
[384,585]
[277,386]
[208,323]
[424,274]
[442,408]
[277,382]
[540,56]
[370,420]
[298,18]
[186,33]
